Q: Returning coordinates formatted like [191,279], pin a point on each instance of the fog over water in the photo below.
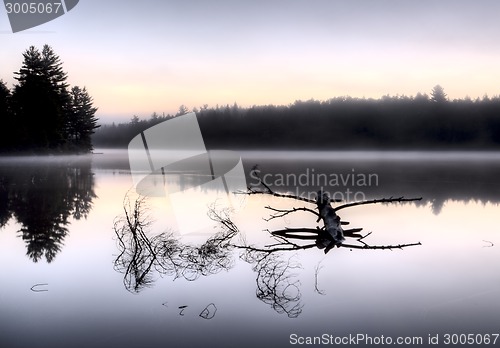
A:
[446,285]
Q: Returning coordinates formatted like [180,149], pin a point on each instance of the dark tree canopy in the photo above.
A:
[5,115]
[4,96]
[45,115]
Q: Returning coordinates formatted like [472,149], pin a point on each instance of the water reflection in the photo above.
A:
[42,196]
[277,285]
[142,256]
[436,176]
[164,254]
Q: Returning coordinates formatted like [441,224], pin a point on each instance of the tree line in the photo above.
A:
[42,113]
[391,122]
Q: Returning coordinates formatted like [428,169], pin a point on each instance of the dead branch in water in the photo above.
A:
[326,237]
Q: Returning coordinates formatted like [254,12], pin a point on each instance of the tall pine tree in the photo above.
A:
[40,99]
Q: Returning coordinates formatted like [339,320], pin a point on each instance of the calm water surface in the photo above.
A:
[63,287]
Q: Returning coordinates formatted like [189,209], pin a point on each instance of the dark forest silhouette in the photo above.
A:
[399,122]
[42,113]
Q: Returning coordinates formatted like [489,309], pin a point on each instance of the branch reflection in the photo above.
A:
[276,285]
[142,256]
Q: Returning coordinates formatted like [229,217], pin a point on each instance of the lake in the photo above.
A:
[74,275]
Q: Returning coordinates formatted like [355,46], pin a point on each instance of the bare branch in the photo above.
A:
[293,247]
[353,233]
[283,212]
[293,233]
[383,247]
[268,191]
[376,201]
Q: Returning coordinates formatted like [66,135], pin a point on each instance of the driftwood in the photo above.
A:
[328,236]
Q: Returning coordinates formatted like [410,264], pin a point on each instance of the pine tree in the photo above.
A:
[81,121]
[53,72]
[5,118]
[438,95]
[40,99]
[183,109]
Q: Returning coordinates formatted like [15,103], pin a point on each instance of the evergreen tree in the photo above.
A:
[438,95]
[81,120]
[5,117]
[53,72]
[183,109]
[40,99]
[4,97]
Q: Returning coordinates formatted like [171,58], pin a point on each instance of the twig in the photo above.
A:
[316,272]
[34,287]
[268,191]
[376,201]
[388,247]
[282,212]
[488,246]
[273,250]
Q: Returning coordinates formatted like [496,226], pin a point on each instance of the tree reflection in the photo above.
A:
[5,212]
[42,198]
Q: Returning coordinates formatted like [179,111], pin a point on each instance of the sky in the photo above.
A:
[140,57]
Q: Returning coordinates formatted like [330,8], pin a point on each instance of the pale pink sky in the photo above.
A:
[140,57]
